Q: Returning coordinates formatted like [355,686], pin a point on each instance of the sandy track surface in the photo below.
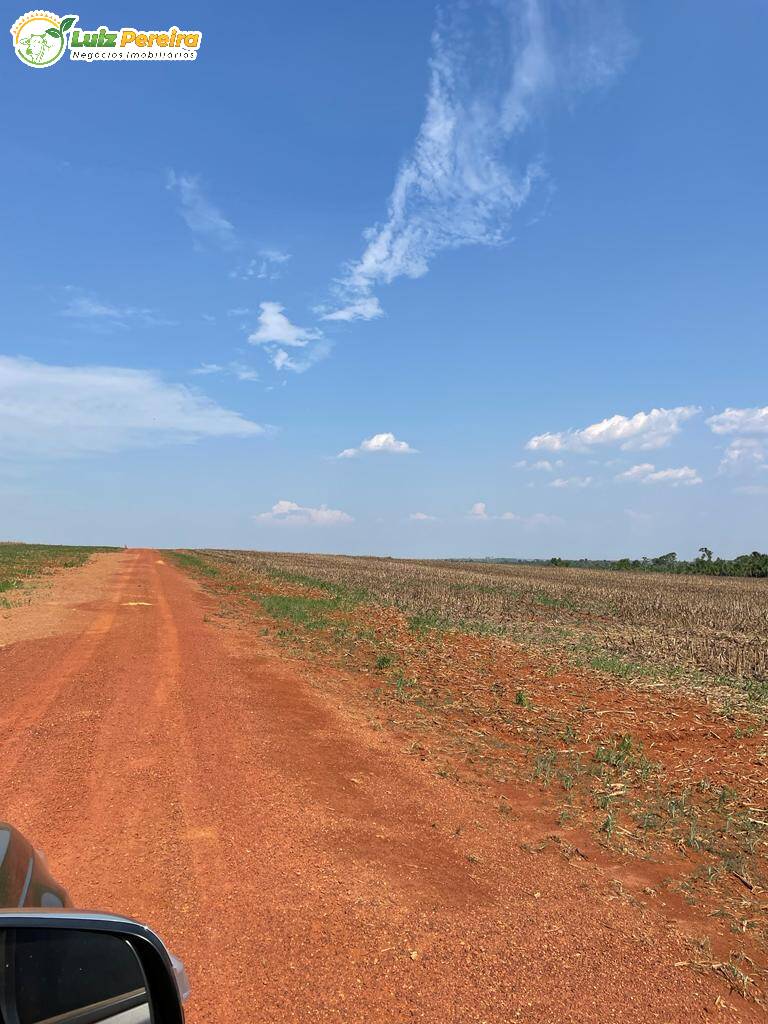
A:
[176,768]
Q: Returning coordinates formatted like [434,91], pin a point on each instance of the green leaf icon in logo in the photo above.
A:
[68,22]
[53,32]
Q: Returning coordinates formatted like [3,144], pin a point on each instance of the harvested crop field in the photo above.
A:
[626,622]
[629,709]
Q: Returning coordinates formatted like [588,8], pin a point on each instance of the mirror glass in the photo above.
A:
[70,976]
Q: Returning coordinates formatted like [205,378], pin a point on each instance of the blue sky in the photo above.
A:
[392,279]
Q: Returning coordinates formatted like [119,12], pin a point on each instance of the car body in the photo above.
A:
[25,880]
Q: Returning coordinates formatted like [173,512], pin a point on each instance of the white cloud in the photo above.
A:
[422,517]
[238,311]
[744,455]
[264,267]
[84,306]
[642,432]
[243,372]
[69,410]
[543,465]
[200,215]
[479,511]
[282,361]
[288,512]
[636,472]
[752,489]
[492,65]
[740,421]
[366,308]
[275,327]
[532,521]
[684,475]
[646,473]
[234,369]
[572,481]
[379,443]
[205,369]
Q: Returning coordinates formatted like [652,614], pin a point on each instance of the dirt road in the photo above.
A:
[176,768]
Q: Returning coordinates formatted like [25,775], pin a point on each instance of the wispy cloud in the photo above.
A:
[642,432]
[234,369]
[571,481]
[740,421]
[69,410]
[532,521]
[422,517]
[646,473]
[202,218]
[494,64]
[752,489]
[266,266]
[289,513]
[281,360]
[386,443]
[367,308]
[744,455]
[85,307]
[543,465]
[479,512]
[205,369]
[243,372]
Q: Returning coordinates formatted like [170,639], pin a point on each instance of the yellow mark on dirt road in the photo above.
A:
[202,833]
[131,604]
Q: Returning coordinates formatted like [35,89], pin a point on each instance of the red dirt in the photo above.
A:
[177,768]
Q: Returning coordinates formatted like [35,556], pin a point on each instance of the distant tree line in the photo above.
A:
[705,564]
[754,564]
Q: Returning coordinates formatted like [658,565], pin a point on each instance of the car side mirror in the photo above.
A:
[73,967]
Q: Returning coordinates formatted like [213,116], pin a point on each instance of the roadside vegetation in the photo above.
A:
[636,705]
[20,564]
[186,560]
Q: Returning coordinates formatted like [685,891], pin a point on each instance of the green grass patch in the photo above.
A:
[186,560]
[544,599]
[405,689]
[427,621]
[620,667]
[309,612]
[22,562]
[348,595]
